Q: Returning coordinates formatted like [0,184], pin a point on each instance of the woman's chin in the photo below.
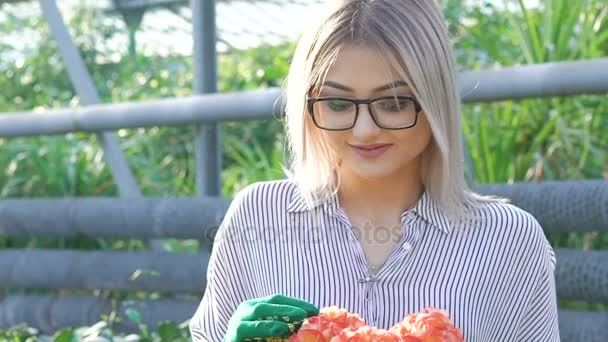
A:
[370,172]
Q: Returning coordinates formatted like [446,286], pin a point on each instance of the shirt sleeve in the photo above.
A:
[224,291]
[540,321]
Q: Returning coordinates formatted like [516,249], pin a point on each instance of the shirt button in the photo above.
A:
[407,247]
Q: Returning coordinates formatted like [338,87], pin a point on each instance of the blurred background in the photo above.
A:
[139,50]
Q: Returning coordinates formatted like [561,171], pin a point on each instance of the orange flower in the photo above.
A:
[410,338]
[340,317]
[329,323]
[308,335]
[430,325]
[334,324]
[366,334]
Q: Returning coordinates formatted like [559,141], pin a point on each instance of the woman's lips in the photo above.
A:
[370,151]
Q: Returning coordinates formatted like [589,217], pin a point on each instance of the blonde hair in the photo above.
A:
[413,36]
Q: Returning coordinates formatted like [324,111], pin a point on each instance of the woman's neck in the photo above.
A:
[379,198]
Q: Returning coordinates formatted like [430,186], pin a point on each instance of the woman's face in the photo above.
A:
[357,74]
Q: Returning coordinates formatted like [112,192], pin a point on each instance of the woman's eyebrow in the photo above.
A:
[388,86]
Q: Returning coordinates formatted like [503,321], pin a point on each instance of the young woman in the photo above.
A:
[375,215]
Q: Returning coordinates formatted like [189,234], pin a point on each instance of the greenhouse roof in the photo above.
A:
[241,24]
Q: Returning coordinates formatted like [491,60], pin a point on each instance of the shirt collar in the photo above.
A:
[425,207]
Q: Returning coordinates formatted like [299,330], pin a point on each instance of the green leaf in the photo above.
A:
[533,34]
[168,331]
[139,272]
[133,315]
[65,335]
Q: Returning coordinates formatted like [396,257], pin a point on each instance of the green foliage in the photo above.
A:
[255,148]
[555,138]
[100,332]
[161,158]
[562,30]
[20,333]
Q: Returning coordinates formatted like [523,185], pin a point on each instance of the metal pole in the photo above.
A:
[207,150]
[85,87]
[469,166]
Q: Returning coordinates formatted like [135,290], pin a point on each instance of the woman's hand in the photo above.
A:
[275,316]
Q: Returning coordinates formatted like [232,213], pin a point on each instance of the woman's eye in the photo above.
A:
[394,105]
[338,105]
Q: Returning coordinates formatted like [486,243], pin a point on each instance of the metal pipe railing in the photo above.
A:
[541,80]
[575,206]
[537,80]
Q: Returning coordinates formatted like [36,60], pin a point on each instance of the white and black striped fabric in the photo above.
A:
[494,277]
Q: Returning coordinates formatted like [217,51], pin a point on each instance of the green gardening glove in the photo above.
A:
[274,316]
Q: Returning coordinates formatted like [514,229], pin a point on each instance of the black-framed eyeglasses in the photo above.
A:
[340,113]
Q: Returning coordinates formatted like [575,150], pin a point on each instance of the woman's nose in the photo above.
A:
[365,126]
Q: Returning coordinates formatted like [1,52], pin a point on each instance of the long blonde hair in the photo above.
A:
[413,36]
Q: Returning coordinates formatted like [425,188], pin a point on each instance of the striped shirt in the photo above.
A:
[495,277]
